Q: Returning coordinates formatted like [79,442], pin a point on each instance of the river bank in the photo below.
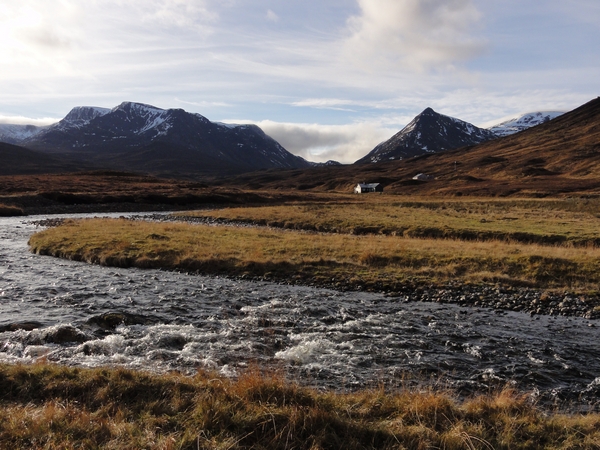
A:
[75,314]
[56,407]
[160,251]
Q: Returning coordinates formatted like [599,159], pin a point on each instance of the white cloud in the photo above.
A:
[176,13]
[272,17]
[417,34]
[320,143]
[20,120]
[203,104]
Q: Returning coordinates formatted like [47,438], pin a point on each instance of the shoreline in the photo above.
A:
[496,296]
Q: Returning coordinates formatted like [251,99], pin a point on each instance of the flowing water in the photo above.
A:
[77,314]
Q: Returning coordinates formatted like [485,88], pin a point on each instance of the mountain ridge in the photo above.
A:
[428,132]
[523,122]
[133,135]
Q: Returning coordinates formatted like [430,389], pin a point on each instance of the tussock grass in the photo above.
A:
[51,407]
[549,222]
[7,211]
[376,261]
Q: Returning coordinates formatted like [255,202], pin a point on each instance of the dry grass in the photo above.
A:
[49,407]
[367,260]
[574,221]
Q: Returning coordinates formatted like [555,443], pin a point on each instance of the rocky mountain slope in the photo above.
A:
[429,132]
[138,137]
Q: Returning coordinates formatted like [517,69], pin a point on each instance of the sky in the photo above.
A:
[328,79]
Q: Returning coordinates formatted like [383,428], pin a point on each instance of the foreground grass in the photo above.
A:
[367,261]
[567,222]
[51,407]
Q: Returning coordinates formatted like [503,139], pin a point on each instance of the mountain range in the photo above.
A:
[168,142]
[558,157]
[173,142]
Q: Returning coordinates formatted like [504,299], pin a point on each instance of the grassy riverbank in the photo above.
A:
[50,407]
[570,222]
[372,261]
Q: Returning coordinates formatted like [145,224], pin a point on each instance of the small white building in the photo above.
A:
[363,188]
[423,177]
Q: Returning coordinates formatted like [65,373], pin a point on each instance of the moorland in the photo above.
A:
[518,214]
[48,407]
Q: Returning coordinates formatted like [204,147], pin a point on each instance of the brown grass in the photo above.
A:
[571,222]
[368,260]
[49,407]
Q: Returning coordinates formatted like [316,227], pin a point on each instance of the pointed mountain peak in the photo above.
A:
[428,112]
[429,132]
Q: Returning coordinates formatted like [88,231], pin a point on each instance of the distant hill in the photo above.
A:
[18,160]
[559,157]
[171,142]
[14,134]
[429,132]
[523,122]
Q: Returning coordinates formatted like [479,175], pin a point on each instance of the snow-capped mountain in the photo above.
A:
[13,134]
[135,136]
[523,121]
[429,132]
[330,162]
[81,116]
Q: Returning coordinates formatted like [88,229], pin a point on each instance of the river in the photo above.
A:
[74,313]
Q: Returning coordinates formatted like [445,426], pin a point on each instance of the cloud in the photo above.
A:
[272,17]
[320,143]
[416,34]
[32,24]
[177,13]
[20,120]
[203,104]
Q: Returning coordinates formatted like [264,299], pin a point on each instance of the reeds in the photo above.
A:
[51,407]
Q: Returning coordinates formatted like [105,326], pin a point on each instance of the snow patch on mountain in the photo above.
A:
[81,116]
[13,134]
[522,122]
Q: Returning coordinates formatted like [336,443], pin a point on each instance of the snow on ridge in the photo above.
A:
[81,115]
[14,134]
[154,121]
[138,107]
[231,126]
[521,122]
[96,110]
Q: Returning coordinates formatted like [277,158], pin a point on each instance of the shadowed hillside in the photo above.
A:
[559,157]
[16,160]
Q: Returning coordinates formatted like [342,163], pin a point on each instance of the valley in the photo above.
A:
[474,287]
